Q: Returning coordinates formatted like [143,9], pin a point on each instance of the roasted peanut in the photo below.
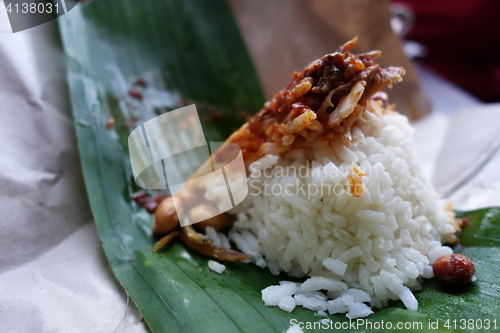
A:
[190,195]
[453,270]
[166,219]
[205,214]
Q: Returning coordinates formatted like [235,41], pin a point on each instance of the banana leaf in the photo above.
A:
[175,52]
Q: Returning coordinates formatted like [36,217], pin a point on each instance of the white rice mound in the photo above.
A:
[301,217]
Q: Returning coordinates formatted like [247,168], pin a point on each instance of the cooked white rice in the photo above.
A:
[302,217]
[216,267]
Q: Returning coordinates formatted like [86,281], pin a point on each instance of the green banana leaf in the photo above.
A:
[190,51]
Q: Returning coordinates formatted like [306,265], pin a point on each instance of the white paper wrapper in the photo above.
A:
[459,145]
[54,276]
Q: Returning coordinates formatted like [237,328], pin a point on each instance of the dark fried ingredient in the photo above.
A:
[165,240]
[134,118]
[205,214]
[463,222]
[110,123]
[328,94]
[140,82]
[135,94]
[166,222]
[204,245]
[201,244]
[458,224]
[166,219]
[150,203]
[453,270]
[139,194]
[141,198]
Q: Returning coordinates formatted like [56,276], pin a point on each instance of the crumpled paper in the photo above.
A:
[459,146]
[54,276]
[53,272]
